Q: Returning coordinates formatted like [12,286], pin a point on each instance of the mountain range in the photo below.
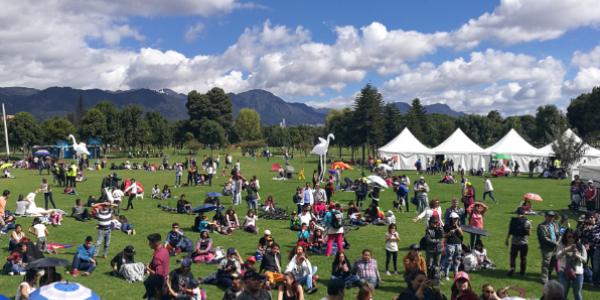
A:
[58,101]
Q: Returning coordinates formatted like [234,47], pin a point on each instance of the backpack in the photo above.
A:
[434,273]
[298,199]
[337,220]
[423,243]
[517,226]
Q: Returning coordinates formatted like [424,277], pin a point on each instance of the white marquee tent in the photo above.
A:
[518,149]
[463,151]
[406,150]
[592,155]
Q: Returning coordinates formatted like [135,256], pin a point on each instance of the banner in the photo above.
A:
[94,142]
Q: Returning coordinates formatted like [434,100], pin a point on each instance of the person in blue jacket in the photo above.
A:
[84,260]
[401,194]
[174,238]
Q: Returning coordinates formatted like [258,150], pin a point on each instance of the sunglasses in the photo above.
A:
[488,292]
[570,237]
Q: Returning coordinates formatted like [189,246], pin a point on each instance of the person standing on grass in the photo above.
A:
[252,196]
[5,196]
[520,229]
[421,190]
[178,173]
[476,211]
[84,259]
[104,231]
[118,196]
[457,210]
[572,257]
[548,234]
[453,234]
[160,258]
[469,197]
[132,189]
[590,196]
[41,232]
[433,238]
[45,187]
[391,249]
[488,189]
[335,229]
[586,236]
[596,260]
[210,172]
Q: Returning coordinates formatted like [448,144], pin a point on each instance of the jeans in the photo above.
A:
[577,283]
[177,180]
[488,193]
[252,204]
[372,280]
[452,252]
[393,256]
[575,207]
[7,227]
[83,265]
[46,196]
[307,279]
[338,237]
[356,222]
[236,197]
[126,227]
[473,238]
[210,176]
[350,280]
[315,249]
[10,267]
[596,269]
[422,203]
[103,235]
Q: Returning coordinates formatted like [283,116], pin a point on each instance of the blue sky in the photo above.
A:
[511,55]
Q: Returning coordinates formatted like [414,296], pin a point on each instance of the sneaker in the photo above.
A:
[447,278]
[134,232]
[85,274]
[59,224]
[387,273]
[496,201]
[22,273]
[522,272]
[75,272]
[395,272]
[348,286]
[512,270]
[104,256]
[11,273]
[312,290]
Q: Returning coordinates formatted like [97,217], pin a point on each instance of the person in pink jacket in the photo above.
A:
[475,212]
[320,206]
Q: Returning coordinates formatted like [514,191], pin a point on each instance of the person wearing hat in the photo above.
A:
[520,229]
[590,196]
[433,238]
[124,257]
[453,234]
[462,287]
[252,291]
[548,234]
[265,243]
[320,206]
[469,197]
[295,222]
[228,267]
[160,258]
[414,261]
[156,288]
[421,190]
[182,275]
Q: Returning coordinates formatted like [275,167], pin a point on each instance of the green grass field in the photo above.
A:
[147,219]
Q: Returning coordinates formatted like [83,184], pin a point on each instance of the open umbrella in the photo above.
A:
[474,230]
[6,165]
[42,152]
[2,297]
[378,180]
[204,208]
[214,194]
[48,262]
[348,181]
[331,171]
[385,167]
[290,170]
[501,156]
[63,291]
[533,197]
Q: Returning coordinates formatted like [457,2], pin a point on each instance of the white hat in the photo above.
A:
[454,215]
[268,232]
[422,178]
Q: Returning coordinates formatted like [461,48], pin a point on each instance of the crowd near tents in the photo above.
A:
[406,150]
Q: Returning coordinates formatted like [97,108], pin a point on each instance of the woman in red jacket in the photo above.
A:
[590,196]
[469,197]
[461,289]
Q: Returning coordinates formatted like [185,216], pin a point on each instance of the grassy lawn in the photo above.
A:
[147,219]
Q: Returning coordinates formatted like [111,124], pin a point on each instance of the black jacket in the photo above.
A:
[433,238]
[118,260]
[268,262]
[337,271]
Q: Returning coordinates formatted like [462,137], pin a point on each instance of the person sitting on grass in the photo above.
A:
[250,224]
[320,206]
[269,204]
[183,206]
[174,238]
[189,291]
[413,261]
[295,222]
[178,277]
[316,241]
[122,258]
[303,271]
[232,292]
[166,192]
[84,259]
[371,214]
[155,192]
[462,289]
[303,235]
[16,262]
[229,267]
[232,219]
[290,289]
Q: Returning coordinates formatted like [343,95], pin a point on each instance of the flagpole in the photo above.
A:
[5,131]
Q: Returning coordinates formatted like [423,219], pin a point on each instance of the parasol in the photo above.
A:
[6,165]
[386,167]
[501,156]
[204,208]
[63,290]
[42,152]
[214,194]
[378,180]
[48,262]
[474,230]
[533,197]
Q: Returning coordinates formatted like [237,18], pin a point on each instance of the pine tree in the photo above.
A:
[368,111]
[80,112]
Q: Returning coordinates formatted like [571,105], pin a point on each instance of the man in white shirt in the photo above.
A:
[305,216]
[210,172]
[488,189]
[118,196]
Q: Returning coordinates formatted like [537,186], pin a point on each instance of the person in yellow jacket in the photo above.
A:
[71,175]
[301,177]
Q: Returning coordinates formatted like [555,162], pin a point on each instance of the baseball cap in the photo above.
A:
[186,262]
[321,200]
[252,273]
[252,259]
[331,205]
[268,232]
[414,247]
[454,215]
[565,217]
[469,183]
[130,249]
[151,283]
[293,212]
[421,178]
[590,181]
[192,283]
[461,275]
[231,250]
[550,213]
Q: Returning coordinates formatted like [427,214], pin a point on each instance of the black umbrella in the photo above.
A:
[204,208]
[48,262]
[474,230]
[348,181]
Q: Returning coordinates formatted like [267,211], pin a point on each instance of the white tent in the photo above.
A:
[518,149]
[463,151]
[592,155]
[589,171]
[405,149]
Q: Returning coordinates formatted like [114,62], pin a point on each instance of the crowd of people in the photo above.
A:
[319,224]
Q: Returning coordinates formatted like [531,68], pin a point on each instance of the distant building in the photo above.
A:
[282,124]
[8,117]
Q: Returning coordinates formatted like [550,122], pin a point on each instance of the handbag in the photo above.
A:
[569,270]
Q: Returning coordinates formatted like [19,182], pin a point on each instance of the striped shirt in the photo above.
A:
[597,234]
[104,217]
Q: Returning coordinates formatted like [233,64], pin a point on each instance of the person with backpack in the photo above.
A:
[548,234]
[519,227]
[334,222]
[432,243]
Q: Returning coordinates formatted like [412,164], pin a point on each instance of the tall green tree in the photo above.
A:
[178,130]
[583,113]
[368,111]
[247,124]
[114,131]
[93,125]
[215,105]
[159,129]
[415,119]
[135,128]
[24,130]
[548,117]
[393,125]
[212,134]
[80,111]
[57,129]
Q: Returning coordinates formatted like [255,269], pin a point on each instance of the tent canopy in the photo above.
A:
[513,144]
[591,152]
[458,143]
[275,167]
[405,142]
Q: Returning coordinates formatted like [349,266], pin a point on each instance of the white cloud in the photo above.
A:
[193,32]
[586,60]
[515,21]
[584,81]
[335,102]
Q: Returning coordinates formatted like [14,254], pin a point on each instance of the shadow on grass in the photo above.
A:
[501,274]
